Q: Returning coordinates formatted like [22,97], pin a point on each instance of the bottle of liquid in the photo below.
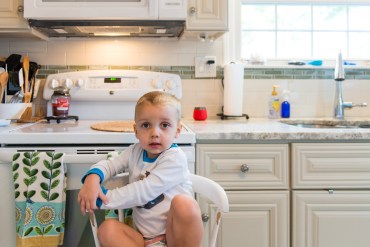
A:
[285,105]
[274,104]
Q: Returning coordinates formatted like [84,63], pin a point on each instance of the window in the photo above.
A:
[310,30]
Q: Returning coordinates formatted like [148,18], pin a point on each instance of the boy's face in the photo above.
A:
[156,127]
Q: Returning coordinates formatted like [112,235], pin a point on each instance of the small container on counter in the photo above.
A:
[60,101]
[200,113]
[285,105]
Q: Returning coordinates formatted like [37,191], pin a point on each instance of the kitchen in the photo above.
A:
[312,97]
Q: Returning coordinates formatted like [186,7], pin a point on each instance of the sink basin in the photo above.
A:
[327,124]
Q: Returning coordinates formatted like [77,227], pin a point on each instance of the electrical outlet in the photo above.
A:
[205,66]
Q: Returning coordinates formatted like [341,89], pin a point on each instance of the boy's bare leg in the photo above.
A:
[112,233]
[184,223]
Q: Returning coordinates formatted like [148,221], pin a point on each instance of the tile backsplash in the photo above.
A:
[312,89]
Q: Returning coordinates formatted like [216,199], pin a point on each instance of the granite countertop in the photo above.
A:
[269,130]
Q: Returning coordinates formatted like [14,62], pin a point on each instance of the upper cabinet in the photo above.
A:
[12,23]
[209,17]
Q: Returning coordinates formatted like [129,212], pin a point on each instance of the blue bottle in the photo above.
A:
[285,105]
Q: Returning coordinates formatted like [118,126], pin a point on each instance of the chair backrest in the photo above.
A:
[207,188]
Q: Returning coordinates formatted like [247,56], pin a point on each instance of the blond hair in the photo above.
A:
[160,98]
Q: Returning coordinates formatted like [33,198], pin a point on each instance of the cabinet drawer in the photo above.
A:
[256,218]
[330,165]
[244,166]
[340,219]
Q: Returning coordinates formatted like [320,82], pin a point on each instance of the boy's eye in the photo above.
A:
[165,125]
[145,125]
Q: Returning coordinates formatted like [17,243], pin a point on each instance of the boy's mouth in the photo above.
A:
[154,144]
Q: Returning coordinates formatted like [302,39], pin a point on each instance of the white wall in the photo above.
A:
[119,52]
[309,98]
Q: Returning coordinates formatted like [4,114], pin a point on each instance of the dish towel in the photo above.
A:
[113,213]
[40,193]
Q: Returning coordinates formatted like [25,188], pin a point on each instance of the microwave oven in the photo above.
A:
[105,10]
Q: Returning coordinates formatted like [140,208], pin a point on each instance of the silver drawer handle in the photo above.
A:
[192,10]
[244,168]
[205,217]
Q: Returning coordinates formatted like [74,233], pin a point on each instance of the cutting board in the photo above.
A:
[114,126]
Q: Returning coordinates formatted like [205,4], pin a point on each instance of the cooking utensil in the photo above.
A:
[34,69]
[36,88]
[26,69]
[20,78]
[17,97]
[3,81]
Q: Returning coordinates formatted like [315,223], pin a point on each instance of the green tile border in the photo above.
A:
[188,72]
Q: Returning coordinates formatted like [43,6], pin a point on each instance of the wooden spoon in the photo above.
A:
[26,69]
[3,81]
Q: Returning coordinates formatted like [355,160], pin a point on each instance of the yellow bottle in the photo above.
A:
[274,104]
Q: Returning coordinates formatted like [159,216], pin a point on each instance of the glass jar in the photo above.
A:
[200,113]
[60,101]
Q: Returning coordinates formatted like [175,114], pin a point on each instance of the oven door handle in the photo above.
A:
[7,157]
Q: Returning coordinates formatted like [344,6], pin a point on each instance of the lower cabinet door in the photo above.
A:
[331,218]
[256,219]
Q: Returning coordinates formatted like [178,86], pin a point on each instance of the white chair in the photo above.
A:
[207,188]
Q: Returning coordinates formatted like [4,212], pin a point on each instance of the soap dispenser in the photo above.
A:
[274,104]
[285,105]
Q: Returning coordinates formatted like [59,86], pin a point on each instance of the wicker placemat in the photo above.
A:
[114,126]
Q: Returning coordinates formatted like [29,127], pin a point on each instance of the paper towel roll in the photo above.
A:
[233,89]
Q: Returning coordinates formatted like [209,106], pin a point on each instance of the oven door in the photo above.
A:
[91,9]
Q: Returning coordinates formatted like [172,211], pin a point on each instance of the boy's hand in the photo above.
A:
[89,193]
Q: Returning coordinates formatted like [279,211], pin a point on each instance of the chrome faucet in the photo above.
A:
[339,104]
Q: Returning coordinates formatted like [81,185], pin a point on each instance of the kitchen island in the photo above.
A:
[287,185]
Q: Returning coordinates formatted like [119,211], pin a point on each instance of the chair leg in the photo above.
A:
[213,237]
[120,215]
[94,228]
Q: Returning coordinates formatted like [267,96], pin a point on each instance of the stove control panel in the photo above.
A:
[112,85]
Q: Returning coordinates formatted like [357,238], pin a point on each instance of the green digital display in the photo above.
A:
[112,80]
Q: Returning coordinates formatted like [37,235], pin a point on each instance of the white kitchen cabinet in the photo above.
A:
[331,165]
[256,179]
[12,23]
[207,15]
[331,196]
[11,14]
[338,218]
[207,19]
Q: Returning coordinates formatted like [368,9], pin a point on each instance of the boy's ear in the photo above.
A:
[178,130]
[134,126]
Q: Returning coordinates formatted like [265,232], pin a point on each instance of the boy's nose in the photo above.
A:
[155,132]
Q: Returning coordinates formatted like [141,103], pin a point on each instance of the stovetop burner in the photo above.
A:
[58,119]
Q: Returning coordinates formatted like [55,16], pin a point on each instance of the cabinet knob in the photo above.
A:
[205,217]
[244,168]
[192,10]
[20,9]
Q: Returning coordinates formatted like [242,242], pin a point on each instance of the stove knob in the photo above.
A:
[157,83]
[80,82]
[54,83]
[68,83]
[170,84]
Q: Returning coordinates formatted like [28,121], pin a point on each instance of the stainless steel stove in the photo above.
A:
[96,96]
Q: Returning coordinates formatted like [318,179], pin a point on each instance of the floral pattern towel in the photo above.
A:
[40,193]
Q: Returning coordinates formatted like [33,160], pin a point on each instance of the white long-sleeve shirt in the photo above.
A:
[167,175]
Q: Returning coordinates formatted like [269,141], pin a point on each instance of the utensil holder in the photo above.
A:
[13,111]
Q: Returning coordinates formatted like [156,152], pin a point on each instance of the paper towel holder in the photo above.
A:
[223,116]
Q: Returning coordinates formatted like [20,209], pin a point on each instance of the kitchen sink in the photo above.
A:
[327,124]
